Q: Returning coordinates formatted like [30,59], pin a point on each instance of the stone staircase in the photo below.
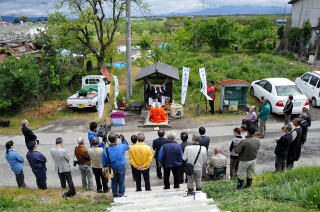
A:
[159,200]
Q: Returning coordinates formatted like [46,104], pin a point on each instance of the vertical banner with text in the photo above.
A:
[203,77]
[116,90]
[185,81]
[101,98]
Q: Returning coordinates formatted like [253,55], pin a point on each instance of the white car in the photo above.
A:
[277,91]
[309,83]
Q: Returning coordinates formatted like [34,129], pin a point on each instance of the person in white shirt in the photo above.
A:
[190,154]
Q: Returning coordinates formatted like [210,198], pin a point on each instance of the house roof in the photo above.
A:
[293,1]
[161,68]
[232,82]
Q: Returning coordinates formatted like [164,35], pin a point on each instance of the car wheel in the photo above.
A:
[252,91]
[314,102]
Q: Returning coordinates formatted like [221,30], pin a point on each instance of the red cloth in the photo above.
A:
[212,91]
[158,115]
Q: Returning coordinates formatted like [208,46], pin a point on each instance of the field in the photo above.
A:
[295,190]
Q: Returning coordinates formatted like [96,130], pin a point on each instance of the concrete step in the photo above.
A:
[164,208]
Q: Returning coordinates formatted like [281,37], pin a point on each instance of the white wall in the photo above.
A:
[305,10]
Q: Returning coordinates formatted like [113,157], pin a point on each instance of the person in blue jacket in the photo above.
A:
[16,163]
[93,133]
[37,163]
[114,157]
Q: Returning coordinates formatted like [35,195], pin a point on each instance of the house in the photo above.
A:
[302,11]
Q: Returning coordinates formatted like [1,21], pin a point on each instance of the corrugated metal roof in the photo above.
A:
[160,68]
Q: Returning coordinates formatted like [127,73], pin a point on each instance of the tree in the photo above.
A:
[94,27]
[217,33]
[261,33]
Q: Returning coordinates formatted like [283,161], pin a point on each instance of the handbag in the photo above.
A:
[189,168]
[107,171]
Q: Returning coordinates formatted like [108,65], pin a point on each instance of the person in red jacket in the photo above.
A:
[212,90]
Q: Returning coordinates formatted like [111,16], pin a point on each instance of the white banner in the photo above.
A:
[203,77]
[116,90]
[101,97]
[185,81]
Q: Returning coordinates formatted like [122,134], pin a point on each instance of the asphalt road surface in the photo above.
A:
[220,133]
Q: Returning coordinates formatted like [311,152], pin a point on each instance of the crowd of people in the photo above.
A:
[188,162]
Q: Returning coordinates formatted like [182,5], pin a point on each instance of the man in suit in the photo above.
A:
[61,161]
[305,127]
[156,146]
[204,141]
[28,134]
[282,148]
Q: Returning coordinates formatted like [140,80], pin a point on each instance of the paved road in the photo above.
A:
[220,133]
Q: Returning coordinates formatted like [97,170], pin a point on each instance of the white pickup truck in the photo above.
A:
[89,99]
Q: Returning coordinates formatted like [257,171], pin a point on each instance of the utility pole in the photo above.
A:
[128,48]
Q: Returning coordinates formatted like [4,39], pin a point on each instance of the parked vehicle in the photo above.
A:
[277,91]
[87,96]
[309,83]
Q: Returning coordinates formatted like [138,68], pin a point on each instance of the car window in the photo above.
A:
[92,81]
[268,87]
[314,81]
[287,90]
[261,83]
[306,77]
[318,86]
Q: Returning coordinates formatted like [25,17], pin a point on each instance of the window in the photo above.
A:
[306,77]
[314,81]
[261,83]
[268,87]
[288,90]
[92,81]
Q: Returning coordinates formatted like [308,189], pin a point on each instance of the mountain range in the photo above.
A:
[235,10]
[11,18]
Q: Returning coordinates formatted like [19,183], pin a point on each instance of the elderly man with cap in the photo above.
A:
[37,163]
[61,160]
[196,155]
[82,155]
[170,156]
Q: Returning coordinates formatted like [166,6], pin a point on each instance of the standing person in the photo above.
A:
[84,162]
[156,146]
[28,134]
[61,161]
[95,154]
[212,92]
[141,158]
[184,144]
[263,116]
[196,155]
[37,163]
[134,140]
[234,157]
[93,132]
[306,111]
[170,156]
[217,165]
[16,164]
[296,137]
[304,127]
[204,140]
[282,148]
[287,110]
[114,157]
[247,150]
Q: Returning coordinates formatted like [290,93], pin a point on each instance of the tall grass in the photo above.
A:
[295,190]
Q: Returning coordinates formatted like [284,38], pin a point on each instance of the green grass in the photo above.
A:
[25,200]
[295,190]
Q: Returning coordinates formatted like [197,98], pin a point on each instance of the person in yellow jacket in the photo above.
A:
[141,156]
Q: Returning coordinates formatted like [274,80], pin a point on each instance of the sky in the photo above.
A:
[42,7]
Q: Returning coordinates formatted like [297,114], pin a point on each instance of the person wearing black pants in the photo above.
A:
[176,177]
[211,91]
[146,178]
[156,145]
[65,177]
[100,179]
